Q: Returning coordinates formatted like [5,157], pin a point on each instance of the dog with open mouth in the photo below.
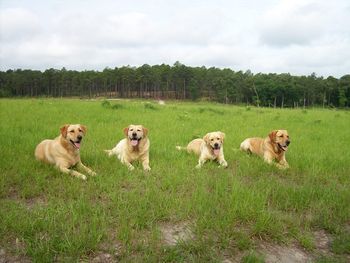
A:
[272,148]
[135,146]
[64,151]
[208,148]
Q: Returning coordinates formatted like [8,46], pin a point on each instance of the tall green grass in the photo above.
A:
[58,217]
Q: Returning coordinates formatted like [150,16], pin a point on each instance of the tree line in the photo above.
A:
[180,82]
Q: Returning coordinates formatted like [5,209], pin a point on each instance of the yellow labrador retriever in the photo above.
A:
[271,148]
[134,147]
[208,148]
[64,151]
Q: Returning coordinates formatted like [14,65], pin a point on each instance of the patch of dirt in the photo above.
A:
[322,241]
[103,258]
[35,201]
[236,258]
[7,257]
[276,253]
[293,254]
[173,233]
[29,203]
[111,250]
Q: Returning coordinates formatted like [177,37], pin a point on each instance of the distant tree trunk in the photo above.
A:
[167,89]
[324,99]
[257,96]
[282,103]
[274,103]
[184,89]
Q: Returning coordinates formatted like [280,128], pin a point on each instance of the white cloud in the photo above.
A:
[299,37]
[18,24]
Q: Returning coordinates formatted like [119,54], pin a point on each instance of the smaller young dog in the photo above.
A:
[135,146]
[208,148]
[271,148]
[64,151]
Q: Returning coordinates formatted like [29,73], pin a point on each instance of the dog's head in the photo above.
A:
[135,133]
[73,133]
[281,138]
[215,140]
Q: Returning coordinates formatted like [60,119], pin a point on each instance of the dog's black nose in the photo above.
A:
[134,134]
[288,142]
[79,137]
[216,144]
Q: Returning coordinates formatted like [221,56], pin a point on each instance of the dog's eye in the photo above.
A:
[218,138]
[80,130]
[131,129]
[280,136]
[138,130]
[71,131]
[212,139]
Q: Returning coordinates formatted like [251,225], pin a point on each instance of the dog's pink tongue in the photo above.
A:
[77,144]
[134,142]
[216,151]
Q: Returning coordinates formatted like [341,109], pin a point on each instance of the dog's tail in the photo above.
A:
[180,148]
[109,152]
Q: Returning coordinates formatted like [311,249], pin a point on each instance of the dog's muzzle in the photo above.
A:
[216,149]
[134,141]
[284,147]
[76,143]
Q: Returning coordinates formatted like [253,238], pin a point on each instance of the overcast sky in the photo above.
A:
[296,36]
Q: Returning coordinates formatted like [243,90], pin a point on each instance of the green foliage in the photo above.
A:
[106,104]
[150,106]
[180,82]
[341,244]
[253,258]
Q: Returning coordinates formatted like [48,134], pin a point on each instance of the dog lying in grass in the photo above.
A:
[64,151]
[208,148]
[272,148]
[134,147]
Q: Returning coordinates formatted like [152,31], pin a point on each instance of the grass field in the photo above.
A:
[229,215]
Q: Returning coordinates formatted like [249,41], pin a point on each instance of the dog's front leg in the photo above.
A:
[268,158]
[201,161]
[72,172]
[282,164]
[145,162]
[80,165]
[128,164]
[222,161]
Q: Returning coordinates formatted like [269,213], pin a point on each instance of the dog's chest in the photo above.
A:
[134,155]
[73,159]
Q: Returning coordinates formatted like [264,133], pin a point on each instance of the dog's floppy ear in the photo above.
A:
[206,138]
[126,129]
[222,135]
[83,127]
[145,131]
[64,130]
[272,135]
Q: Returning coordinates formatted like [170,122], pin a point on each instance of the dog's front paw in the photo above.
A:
[198,166]
[147,169]
[223,164]
[92,173]
[131,168]
[282,167]
[82,176]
